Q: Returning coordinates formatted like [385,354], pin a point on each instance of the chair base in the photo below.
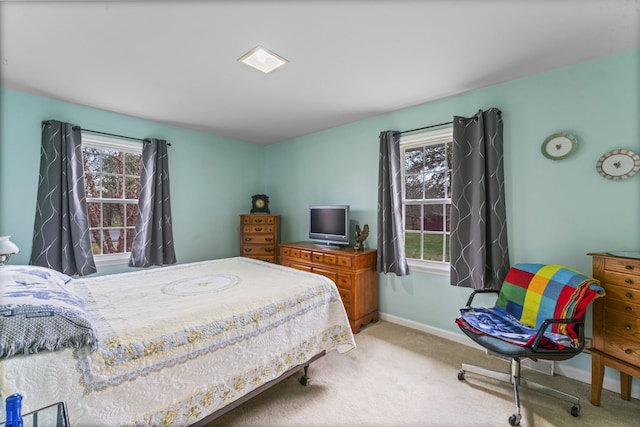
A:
[516,380]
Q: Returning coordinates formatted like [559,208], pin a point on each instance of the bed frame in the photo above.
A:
[304,380]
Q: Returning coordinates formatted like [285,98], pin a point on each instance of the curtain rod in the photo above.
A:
[113,134]
[426,127]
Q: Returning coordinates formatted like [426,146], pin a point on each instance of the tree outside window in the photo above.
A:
[427,195]
[112,186]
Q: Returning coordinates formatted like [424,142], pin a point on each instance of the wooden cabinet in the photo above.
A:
[259,237]
[354,273]
[616,323]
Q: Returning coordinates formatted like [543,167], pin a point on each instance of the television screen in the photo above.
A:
[329,224]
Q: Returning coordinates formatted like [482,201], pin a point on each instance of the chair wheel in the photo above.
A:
[514,420]
[304,380]
[575,410]
[461,375]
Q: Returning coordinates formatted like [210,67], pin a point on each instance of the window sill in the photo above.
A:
[438,268]
[112,259]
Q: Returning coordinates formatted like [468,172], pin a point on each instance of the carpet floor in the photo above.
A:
[398,376]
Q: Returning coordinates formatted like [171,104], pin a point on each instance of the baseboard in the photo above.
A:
[610,384]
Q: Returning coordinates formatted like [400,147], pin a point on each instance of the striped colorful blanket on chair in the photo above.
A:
[530,294]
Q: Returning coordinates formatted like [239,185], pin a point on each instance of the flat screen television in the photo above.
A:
[329,224]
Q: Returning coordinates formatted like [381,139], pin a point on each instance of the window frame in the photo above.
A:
[422,139]
[110,143]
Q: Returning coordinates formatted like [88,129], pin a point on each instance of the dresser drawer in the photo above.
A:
[322,258]
[265,258]
[344,281]
[623,265]
[345,296]
[258,239]
[293,264]
[258,250]
[623,348]
[627,327]
[614,307]
[631,295]
[330,259]
[622,279]
[326,273]
[258,220]
[267,229]
[344,261]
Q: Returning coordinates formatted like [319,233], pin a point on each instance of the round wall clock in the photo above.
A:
[559,145]
[618,164]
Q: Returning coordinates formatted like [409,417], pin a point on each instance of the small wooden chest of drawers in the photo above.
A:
[353,272]
[616,323]
[259,237]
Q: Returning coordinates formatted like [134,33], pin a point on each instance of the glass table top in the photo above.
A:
[51,416]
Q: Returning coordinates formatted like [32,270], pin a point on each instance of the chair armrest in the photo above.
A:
[545,325]
[480,291]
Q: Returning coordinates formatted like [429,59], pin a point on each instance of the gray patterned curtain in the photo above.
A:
[391,255]
[479,250]
[153,242]
[61,230]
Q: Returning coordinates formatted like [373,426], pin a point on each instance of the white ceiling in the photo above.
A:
[176,61]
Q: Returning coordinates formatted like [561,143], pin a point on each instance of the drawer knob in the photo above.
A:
[628,351]
[629,267]
[628,295]
[629,309]
[269,239]
[258,221]
[248,239]
[247,249]
[258,228]
[268,249]
[628,281]
[627,327]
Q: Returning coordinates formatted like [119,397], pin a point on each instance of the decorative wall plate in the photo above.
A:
[618,164]
[559,145]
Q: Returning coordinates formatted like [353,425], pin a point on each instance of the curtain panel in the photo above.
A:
[391,253]
[479,250]
[153,241]
[61,230]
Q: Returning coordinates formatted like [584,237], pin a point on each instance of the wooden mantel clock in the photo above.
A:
[260,204]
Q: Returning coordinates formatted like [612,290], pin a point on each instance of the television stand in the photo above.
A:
[353,271]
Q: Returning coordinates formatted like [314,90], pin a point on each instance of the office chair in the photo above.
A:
[538,315]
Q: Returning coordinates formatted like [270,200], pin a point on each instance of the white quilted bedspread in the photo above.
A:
[178,343]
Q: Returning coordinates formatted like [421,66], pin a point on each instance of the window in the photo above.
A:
[426,198]
[112,186]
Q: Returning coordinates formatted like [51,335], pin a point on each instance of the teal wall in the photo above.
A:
[558,211]
[210,181]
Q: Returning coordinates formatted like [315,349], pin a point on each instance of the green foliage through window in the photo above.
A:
[427,195]
[112,187]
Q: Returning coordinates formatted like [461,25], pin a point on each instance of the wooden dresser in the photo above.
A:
[354,273]
[616,323]
[259,237]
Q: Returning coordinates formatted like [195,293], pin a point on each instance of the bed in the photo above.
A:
[170,346]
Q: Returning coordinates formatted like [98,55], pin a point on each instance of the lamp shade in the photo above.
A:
[7,248]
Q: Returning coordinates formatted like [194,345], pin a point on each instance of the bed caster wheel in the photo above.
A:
[575,410]
[514,420]
[461,375]
[304,380]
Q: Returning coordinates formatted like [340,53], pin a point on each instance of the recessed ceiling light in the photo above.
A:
[262,59]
